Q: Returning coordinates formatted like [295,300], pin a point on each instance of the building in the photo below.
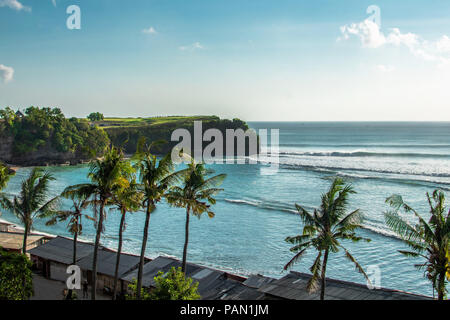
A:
[213,284]
[53,257]
[106,264]
[293,287]
[13,241]
[5,226]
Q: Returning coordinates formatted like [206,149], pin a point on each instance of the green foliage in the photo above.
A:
[145,295]
[127,132]
[46,127]
[428,240]
[16,279]
[324,229]
[96,116]
[33,202]
[174,285]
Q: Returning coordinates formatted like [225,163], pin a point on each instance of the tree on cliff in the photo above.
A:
[96,116]
[46,128]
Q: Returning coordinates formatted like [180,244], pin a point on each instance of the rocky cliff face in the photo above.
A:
[41,157]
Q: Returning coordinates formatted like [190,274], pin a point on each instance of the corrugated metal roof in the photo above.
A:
[293,287]
[60,249]
[212,283]
[106,262]
[257,281]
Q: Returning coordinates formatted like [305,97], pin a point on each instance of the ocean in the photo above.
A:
[256,212]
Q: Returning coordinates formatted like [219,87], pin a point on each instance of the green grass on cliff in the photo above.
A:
[108,123]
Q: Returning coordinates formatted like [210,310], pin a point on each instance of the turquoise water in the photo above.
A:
[255,212]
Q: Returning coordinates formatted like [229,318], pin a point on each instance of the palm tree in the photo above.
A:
[5,175]
[75,215]
[127,199]
[323,231]
[75,225]
[155,177]
[107,176]
[32,201]
[196,195]
[428,240]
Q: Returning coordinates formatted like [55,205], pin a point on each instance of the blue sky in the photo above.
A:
[253,59]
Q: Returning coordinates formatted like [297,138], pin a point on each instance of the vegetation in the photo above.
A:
[32,201]
[127,199]
[196,195]
[324,229]
[108,176]
[5,175]
[143,294]
[428,240]
[174,286]
[16,280]
[128,132]
[96,116]
[41,128]
[155,177]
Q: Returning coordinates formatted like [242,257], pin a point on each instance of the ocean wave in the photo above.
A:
[264,205]
[384,171]
[368,225]
[363,154]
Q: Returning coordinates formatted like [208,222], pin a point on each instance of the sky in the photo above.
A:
[258,60]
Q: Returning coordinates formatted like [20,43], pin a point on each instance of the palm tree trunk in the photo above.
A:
[74,259]
[144,245]
[441,286]
[119,251]
[186,241]
[97,243]
[25,236]
[323,275]
[75,239]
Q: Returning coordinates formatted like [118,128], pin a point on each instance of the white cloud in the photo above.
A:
[14,4]
[54,3]
[150,30]
[6,73]
[371,36]
[192,47]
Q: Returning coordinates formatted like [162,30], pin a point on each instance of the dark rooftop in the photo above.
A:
[293,287]
[213,284]
[106,262]
[60,250]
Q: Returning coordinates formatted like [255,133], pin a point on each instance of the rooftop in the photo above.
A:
[213,284]
[293,287]
[106,262]
[14,241]
[60,250]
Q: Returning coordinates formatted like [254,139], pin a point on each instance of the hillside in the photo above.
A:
[43,136]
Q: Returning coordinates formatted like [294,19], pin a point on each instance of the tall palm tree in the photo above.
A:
[5,174]
[324,229]
[75,215]
[32,201]
[155,177]
[107,176]
[196,195]
[75,225]
[127,199]
[428,240]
